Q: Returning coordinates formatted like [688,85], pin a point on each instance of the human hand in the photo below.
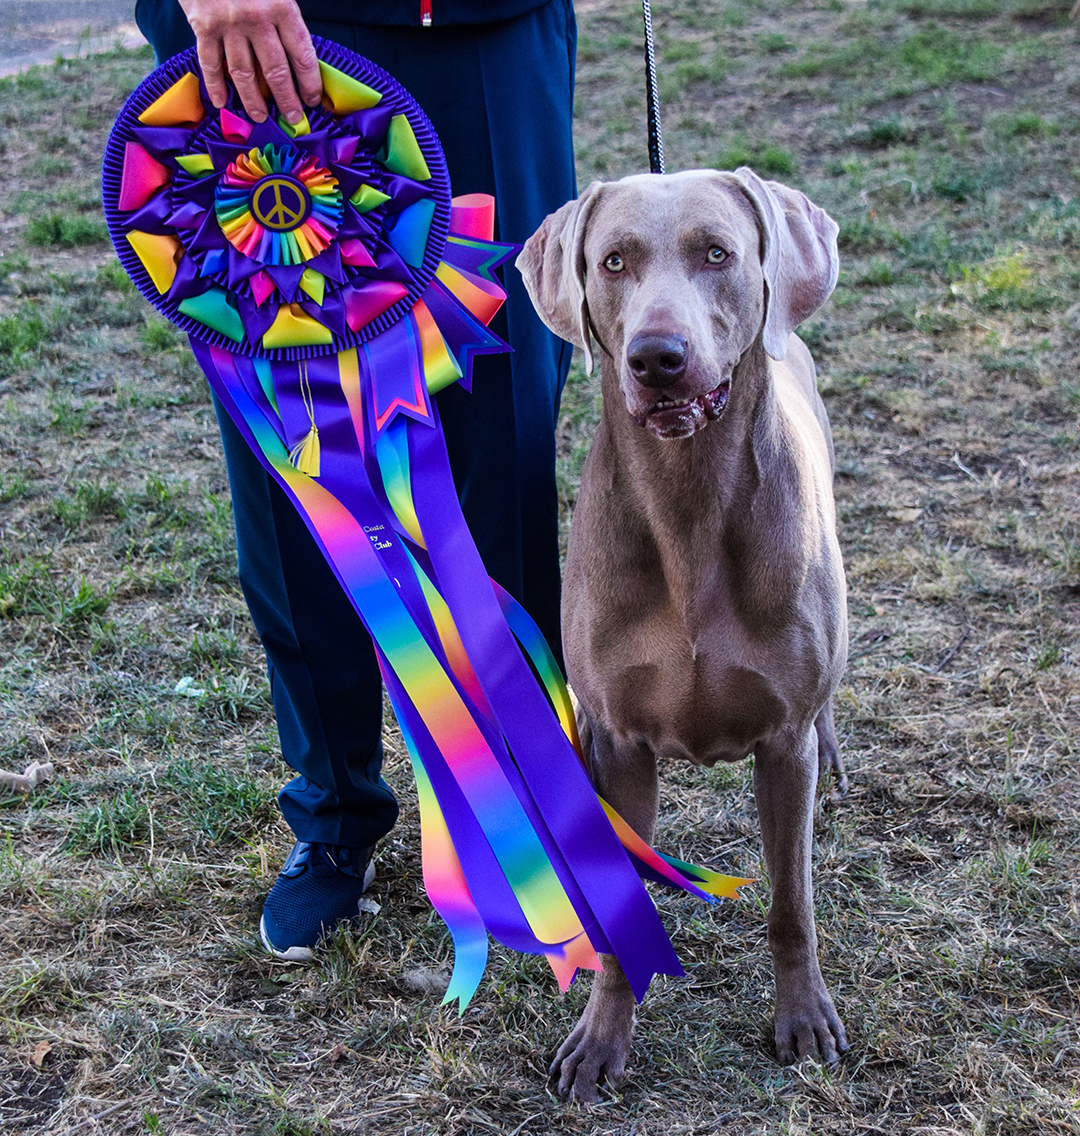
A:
[240,38]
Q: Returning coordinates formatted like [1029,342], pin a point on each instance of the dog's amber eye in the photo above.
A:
[716,255]
[614,263]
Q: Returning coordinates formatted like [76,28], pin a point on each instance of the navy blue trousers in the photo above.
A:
[500,97]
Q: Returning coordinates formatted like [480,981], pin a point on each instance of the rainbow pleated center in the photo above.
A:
[278,206]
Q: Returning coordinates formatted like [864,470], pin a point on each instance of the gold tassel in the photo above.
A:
[305,455]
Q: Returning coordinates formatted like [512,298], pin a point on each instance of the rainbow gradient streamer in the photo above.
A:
[331,286]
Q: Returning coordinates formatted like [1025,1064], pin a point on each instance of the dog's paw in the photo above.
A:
[810,1027]
[588,1058]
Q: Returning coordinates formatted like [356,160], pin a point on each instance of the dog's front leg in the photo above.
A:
[597,1048]
[785,780]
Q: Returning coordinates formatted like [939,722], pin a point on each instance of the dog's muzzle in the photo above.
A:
[663,399]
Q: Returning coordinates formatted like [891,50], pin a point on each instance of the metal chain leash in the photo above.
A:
[652,101]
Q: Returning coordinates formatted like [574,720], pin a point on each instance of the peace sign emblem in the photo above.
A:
[279,203]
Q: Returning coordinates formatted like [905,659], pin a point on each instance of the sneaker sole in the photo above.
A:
[290,954]
[304,954]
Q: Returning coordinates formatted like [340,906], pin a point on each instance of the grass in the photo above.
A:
[1007,283]
[772,161]
[945,881]
[64,230]
[19,336]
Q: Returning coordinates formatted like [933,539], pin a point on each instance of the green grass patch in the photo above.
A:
[1026,125]
[115,826]
[869,234]
[243,697]
[12,488]
[960,186]
[77,606]
[55,142]
[51,168]
[681,51]
[939,57]
[1006,283]
[31,987]
[884,133]
[112,275]
[65,230]
[24,586]
[825,59]
[776,43]
[932,56]
[91,499]
[20,335]
[766,158]
[879,273]
[67,418]
[221,803]
[28,590]
[158,335]
[675,80]
[214,647]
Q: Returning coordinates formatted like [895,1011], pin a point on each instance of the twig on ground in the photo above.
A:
[875,637]
[28,781]
[951,655]
[138,1102]
[956,457]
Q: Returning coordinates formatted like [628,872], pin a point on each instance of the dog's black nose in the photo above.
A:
[657,360]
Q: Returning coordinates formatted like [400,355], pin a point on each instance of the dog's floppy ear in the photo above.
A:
[799,258]
[552,264]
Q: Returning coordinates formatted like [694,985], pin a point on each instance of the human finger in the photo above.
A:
[274,64]
[296,40]
[241,64]
[211,61]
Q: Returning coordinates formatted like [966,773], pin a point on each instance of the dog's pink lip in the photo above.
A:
[716,399]
[679,418]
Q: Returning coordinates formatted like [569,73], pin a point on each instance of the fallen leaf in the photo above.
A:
[41,1051]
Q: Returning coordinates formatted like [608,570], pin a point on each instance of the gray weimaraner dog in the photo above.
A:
[704,608]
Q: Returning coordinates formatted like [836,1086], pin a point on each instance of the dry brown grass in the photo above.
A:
[133,996]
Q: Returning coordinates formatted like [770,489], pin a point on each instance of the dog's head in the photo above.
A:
[675,277]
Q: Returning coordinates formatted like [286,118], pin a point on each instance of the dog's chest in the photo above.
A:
[688,698]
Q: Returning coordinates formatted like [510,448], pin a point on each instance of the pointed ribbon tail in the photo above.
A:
[578,954]
[444,880]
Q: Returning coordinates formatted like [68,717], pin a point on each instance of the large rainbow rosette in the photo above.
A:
[329,286]
[272,240]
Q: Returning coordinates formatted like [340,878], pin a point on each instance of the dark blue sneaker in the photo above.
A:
[319,887]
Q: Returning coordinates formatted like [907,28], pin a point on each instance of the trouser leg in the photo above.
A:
[324,677]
